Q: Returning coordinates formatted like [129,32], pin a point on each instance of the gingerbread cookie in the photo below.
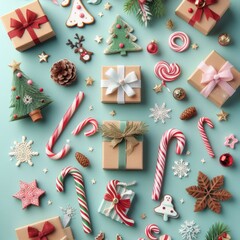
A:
[166,208]
[79,15]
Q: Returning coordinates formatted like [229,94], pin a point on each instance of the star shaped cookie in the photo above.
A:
[29,194]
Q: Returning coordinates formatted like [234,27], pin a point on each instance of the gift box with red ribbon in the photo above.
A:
[216,79]
[27,26]
[202,14]
[117,201]
[50,229]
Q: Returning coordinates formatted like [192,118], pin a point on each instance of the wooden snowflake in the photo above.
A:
[209,193]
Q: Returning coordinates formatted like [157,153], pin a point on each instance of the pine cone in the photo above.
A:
[63,72]
[188,113]
[82,159]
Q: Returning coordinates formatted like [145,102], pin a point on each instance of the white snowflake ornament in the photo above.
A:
[160,113]
[180,168]
[189,230]
[23,151]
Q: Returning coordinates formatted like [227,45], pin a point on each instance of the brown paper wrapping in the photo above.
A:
[25,42]
[134,161]
[205,25]
[112,98]
[218,96]
[58,234]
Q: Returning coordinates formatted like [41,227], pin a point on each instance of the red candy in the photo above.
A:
[121,45]
[190,10]
[118,26]
[78,7]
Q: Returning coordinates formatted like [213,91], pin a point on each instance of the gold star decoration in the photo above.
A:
[98,39]
[112,113]
[143,216]
[43,57]
[157,88]
[100,14]
[170,24]
[222,116]
[15,65]
[90,149]
[107,6]
[89,81]
[194,46]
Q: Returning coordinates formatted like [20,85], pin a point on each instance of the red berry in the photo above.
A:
[224,234]
[220,238]
[118,26]
[17,97]
[121,45]
[40,89]
[15,116]
[190,10]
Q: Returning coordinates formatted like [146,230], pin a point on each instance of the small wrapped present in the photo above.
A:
[121,84]
[122,145]
[27,26]
[202,14]
[50,229]
[117,202]
[215,78]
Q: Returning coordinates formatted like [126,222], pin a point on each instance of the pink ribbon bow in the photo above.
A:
[120,205]
[47,229]
[211,78]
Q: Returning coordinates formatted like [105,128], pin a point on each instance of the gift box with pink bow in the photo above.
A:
[27,26]
[49,229]
[202,14]
[117,201]
[216,79]
[121,84]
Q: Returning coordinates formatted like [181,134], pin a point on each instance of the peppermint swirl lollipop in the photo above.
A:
[183,37]
[167,72]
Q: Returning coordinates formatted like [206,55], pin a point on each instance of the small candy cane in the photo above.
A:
[79,184]
[59,129]
[85,122]
[162,153]
[204,135]
[150,229]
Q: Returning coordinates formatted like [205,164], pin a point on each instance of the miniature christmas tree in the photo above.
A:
[79,15]
[27,99]
[166,208]
[121,40]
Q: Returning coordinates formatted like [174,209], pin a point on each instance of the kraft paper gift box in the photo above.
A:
[121,84]
[215,78]
[202,14]
[118,156]
[51,228]
[27,26]
[111,205]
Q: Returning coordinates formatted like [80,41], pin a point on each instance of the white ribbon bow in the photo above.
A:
[123,84]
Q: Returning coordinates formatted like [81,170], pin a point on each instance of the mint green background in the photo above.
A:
[13,216]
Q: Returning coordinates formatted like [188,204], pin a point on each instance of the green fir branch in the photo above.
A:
[131,6]
[157,8]
[216,230]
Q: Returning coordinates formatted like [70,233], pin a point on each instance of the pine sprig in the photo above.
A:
[157,8]
[216,230]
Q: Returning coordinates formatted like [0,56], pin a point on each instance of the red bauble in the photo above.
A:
[226,160]
[152,47]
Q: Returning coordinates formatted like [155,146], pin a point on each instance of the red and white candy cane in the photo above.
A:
[79,184]
[85,122]
[59,129]
[150,229]
[161,159]
[204,135]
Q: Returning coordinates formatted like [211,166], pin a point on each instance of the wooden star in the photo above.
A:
[43,57]
[112,113]
[90,149]
[49,202]
[15,65]
[89,81]
[45,170]
[157,88]
[182,201]
[93,181]
[107,6]
[203,161]
[100,14]
[98,39]
[143,216]
[222,116]
[90,108]
[194,46]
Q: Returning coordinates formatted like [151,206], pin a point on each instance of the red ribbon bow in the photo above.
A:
[204,9]
[41,235]
[120,204]
[29,23]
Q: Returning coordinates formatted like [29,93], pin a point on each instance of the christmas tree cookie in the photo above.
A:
[166,208]
[27,99]
[121,40]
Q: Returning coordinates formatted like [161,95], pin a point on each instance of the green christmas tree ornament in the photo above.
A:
[121,40]
[27,99]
